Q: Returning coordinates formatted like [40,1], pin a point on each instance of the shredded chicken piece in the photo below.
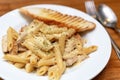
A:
[70,45]
[72,49]
[71,61]
[4,43]
[14,50]
[22,48]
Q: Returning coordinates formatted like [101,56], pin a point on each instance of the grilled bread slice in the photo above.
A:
[54,17]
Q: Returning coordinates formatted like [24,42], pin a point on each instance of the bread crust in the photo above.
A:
[54,17]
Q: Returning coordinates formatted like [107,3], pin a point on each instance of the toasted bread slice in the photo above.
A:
[54,17]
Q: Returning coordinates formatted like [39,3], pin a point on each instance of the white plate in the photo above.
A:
[88,69]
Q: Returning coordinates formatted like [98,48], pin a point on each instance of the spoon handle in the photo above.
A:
[117,29]
[115,46]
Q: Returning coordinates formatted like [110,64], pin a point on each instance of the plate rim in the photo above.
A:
[76,10]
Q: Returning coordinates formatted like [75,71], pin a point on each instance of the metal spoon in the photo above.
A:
[91,10]
[107,17]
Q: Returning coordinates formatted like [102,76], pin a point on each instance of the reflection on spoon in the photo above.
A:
[107,17]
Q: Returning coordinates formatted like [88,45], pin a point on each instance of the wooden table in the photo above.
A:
[112,70]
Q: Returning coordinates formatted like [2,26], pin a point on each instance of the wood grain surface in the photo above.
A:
[112,70]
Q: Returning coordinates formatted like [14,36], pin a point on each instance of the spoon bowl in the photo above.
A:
[107,17]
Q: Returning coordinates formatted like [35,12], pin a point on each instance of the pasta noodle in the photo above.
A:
[48,62]
[29,67]
[19,65]
[53,73]
[62,43]
[15,58]
[90,49]
[33,59]
[11,36]
[58,57]
[42,70]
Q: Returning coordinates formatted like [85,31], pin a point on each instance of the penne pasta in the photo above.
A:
[42,70]
[46,62]
[25,54]
[53,73]
[62,70]
[15,58]
[12,35]
[33,59]
[58,56]
[29,67]
[50,55]
[62,40]
[19,65]
[88,50]
[59,59]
